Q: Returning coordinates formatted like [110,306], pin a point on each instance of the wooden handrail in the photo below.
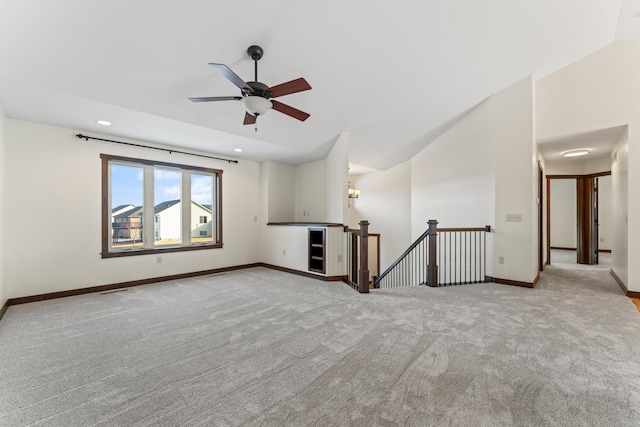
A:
[445,230]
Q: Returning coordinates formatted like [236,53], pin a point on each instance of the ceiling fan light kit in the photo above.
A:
[256,105]
[256,96]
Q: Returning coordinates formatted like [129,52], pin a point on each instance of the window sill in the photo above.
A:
[156,251]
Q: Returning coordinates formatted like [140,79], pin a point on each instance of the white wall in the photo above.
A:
[563,207]
[385,201]
[310,192]
[336,174]
[54,179]
[605,212]
[286,246]
[478,171]
[280,189]
[602,164]
[599,92]
[452,179]
[576,166]
[3,208]
[516,174]
[619,194]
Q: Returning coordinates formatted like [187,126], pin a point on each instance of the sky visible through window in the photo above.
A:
[167,185]
[127,186]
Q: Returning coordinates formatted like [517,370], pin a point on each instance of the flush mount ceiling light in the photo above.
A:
[103,122]
[577,152]
[238,150]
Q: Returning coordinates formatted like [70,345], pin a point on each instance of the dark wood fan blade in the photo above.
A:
[290,111]
[231,76]
[216,98]
[249,119]
[297,85]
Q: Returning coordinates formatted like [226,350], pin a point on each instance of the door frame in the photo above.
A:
[576,177]
[540,218]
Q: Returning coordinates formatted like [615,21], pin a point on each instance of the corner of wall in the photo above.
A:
[516,243]
[3,292]
[337,181]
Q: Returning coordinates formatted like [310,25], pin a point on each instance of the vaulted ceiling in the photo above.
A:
[395,75]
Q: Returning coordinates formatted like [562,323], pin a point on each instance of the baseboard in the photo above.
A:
[627,292]
[304,273]
[112,286]
[619,281]
[3,309]
[515,282]
[575,249]
[102,288]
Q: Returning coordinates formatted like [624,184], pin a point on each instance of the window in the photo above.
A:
[156,206]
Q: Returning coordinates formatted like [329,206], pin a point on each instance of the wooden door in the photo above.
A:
[587,220]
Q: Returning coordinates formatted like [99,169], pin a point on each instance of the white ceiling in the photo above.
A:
[394,75]
[600,142]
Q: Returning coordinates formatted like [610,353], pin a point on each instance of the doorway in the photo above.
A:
[579,216]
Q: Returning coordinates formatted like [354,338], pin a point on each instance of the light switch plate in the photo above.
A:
[514,218]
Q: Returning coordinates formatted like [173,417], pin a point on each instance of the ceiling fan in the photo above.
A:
[257,97]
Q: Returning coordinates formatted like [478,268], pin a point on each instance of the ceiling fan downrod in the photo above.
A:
[255,52]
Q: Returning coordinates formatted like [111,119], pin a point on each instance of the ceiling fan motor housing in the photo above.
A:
[259,89]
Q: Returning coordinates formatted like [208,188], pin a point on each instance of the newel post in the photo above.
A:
[432,266]
[363,273]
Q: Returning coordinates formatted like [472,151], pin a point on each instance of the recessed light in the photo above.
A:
[238,150]
[103,122]
[577,152]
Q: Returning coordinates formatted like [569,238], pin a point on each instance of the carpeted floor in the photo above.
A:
[262,347]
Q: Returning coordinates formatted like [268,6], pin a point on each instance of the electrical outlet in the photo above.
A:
[159,259]
[500,260]
[255,219]
[339,258]
[602,239]
[284,252]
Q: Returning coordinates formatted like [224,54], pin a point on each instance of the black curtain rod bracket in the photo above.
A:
[170,151]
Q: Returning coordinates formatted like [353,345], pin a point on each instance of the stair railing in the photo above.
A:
[440,257]
[358,257]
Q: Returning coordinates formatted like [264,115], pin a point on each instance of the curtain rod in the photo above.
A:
[85,137]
